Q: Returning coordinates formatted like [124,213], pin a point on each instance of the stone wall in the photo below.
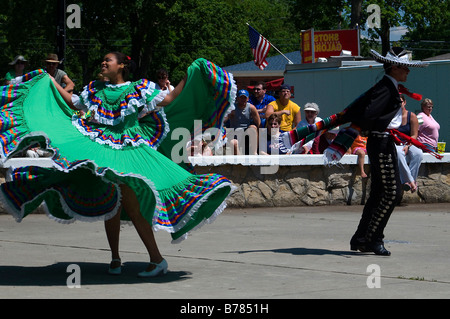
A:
[302,180]
[308,185]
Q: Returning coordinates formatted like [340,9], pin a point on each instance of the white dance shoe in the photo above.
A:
[160,268]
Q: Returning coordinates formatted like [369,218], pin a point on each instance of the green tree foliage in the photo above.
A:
[168,33]
[173,33]
[27,29]
[429,27]
[427,21]
[319,14]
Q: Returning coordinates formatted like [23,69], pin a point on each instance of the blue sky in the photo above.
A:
[397,32]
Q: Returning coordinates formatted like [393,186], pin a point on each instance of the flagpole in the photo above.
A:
[290,62]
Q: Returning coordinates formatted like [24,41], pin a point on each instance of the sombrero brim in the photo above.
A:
[397,61]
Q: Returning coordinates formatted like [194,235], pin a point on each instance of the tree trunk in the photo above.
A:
[385,36]
[356,13]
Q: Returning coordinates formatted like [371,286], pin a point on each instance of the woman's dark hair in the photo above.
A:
[129,65]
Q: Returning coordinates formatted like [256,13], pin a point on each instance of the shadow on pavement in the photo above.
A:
[91,274]
[301,251]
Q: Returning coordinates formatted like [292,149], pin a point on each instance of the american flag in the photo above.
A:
[260,47]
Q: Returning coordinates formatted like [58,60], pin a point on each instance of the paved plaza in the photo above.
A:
[261,253]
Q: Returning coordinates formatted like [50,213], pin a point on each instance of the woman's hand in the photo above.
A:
[406,149]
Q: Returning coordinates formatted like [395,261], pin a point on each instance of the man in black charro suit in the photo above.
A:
[374,112]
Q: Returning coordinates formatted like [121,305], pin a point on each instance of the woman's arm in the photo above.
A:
[414,126]
[174,93]
[67,97]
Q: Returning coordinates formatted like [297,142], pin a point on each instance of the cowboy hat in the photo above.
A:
[52,58]
[398,56]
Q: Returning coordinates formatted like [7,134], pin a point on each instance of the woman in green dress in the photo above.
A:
[106,165]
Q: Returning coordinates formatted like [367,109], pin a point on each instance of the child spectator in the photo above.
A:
[359,148]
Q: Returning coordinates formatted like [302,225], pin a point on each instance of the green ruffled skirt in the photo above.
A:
[83,183]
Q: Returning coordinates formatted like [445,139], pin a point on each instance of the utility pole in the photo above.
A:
[61,32]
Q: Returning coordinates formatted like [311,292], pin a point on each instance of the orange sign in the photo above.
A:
[328,43]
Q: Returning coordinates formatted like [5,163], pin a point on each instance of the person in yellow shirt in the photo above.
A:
[288,111]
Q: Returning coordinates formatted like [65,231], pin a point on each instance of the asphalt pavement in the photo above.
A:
[246,254]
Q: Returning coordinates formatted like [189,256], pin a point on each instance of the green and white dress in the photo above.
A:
[116,145]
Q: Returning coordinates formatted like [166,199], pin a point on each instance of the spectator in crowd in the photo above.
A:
[198,147]
[163,82]
[61,77]
[273,132]
[311,111]
[429,129]
[260,100]
[321,142]
[246,118]
[36,151]
[287,109]
[409,156]
[18,64]
[359,148]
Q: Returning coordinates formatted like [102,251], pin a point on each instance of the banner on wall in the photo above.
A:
[323,44]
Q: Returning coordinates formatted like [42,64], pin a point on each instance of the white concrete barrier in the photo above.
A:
[246,160]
